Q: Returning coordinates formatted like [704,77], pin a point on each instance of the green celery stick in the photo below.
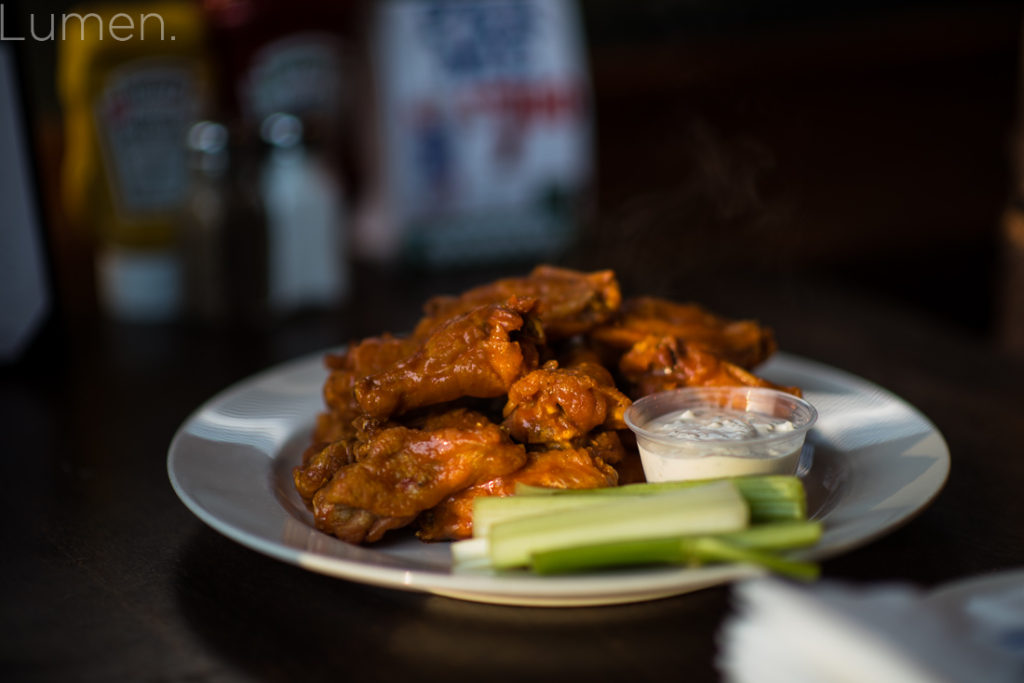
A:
[786,484]
[777,510]
[772,497]
[491,510]
[616,554]
[776,535]
[715,549]
[754,544]
[471,554]
[713,508]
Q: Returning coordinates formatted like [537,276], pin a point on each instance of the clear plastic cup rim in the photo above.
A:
[803,415]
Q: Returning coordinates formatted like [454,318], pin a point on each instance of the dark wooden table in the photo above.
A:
[106,576]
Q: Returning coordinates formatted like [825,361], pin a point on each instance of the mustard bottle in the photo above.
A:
[132,79]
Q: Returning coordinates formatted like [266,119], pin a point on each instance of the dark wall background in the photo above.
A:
[869,143]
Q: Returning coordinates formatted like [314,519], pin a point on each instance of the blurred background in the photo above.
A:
[243,162]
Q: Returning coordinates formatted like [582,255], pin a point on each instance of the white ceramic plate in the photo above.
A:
[877,462]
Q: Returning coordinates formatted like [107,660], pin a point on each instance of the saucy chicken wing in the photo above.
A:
[568,302]
[322,459]
[479,354]
[741,342]
[553,405]
[359,360]
[319,463]
[571,468]
[399,472]
[663,363]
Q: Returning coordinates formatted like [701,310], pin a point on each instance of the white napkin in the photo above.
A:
[830,631]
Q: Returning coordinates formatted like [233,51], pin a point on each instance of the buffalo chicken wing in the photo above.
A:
[477,354]
[556,405]
[399,472]
[568,302]
[742,342]
[572,468]
[663,363]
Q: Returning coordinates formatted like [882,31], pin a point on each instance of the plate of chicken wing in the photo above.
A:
[362,462]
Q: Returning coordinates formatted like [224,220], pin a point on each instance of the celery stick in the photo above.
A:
[786,485]
[777,535]
[777,510]
[491,510]
[713,508]
[671,550]
[469,551]
[753,544]
[471,555]
[715,549]
[772,497]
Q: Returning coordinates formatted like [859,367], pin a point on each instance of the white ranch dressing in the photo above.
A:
[713,424]
[706,443]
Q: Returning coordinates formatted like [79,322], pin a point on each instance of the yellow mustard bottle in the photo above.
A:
[132,78]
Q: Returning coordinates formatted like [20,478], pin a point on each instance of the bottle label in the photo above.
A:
[486,125]
[143,116]
[299,75]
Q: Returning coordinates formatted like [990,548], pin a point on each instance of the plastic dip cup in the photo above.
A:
[712,432]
